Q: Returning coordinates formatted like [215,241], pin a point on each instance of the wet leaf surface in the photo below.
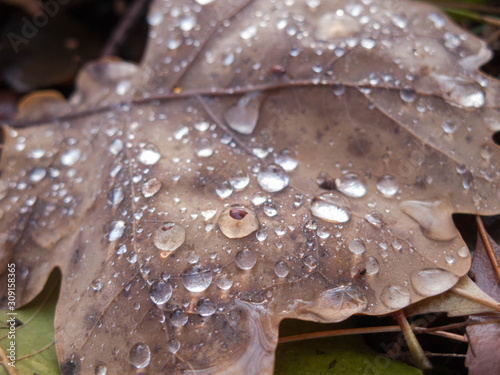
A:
[265,161]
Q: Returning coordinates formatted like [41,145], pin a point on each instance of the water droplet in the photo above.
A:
[97,285]
[310,262]
[367,43]
[101,370]
[399,21]
[187,23]
[181,133]
[243,116]
[148,157]
[160,292]
[331,207]
[204,2]
[338,89]
[286,160]
[140,355]
[463,252]
[238,221]
[387,185]
[209,211]
[116,147]
[117,229]
[206,307]
[313,3]
[432,281]
[178,318]
[352,185]
[395,297]
[371,265]
[151,187]
[204,148]
[196,278]
[449,127]
[248,32]
[408,95]
[261,235]
[281,269]
[173,346]
[4,189]
[258,199]
[169,236]
[396,245]
[70,157]
[223,188]
[37,174]
[270,209]
[434,218]
[246,259]
[356,246]
[239,179]
[224,282]
[273,178]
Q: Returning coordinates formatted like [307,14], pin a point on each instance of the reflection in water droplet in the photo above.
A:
[197,278]
[160,292]
[150,187]
[331,207]
[148,157]
[434,218]
[246,259]
[239,179]
[310,262]
[286,160]
[178,318]
[351,185]
[238,221]
[248,32]
[169,236]
[243,116]
[206,307]
[140,355]
[116,147]
[281,269]
[273,178]
[372,266]
[356,246]
[395,297]
[270,209]
[204,148]
[387,185]
[223,188]
[117,229]
[70,157]
[432,281]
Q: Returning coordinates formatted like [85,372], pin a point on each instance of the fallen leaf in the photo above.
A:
[131,190]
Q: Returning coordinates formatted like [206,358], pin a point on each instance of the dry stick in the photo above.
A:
[4,360]
[473,297]
[430,354]
[133,12]
[37,352]
[465,6]
[487,246]
[449,335]
[416,350]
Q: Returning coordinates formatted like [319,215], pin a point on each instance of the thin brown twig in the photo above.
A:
[455,355]
[487,246]
[38,351]
[465,6]
[449,335]
[4,361]
[471,296]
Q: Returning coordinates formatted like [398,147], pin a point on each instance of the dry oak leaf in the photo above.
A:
[180,197]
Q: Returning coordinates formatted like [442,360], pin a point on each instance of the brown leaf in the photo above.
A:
[242,105]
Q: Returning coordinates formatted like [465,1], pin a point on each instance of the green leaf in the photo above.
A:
[34,336]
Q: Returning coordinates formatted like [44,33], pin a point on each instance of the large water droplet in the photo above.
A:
[169,236]
[148,157]
[243,116]
[395,297]
[351,185]
[356,246]
[246,259]
[238,221]
[117,229]
[239,179]
[434,218]
[273,178]
[331,207]
[206,307]
[196,278]
[432,281]
[160,292]
[387,185]
[140,355]
[286,160]
[281,269]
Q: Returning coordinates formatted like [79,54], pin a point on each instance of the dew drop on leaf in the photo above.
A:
[238,221]
[281,269]
[286,160]
[387,185]
[140,355]
[331,207]
[273,178]
[246,259]
[169,236]
[395,297]
[151,187]
[430,282]
[160,292]
[196,278]
[352,185]
[356,246]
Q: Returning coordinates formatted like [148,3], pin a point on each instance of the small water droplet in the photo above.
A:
[372,266]
[243,116]
[273,178]
[286,160]
[224,282]
[160,292]
[367,43]
[37,174]
[338,89]
[206,307]
[70,157]
[173,346]
[181,133]
[101,370]
[169,236]
[196,278]
[223,188]
[352,185]
[270,209]
[238,221]
[408,95]
[187,23]
[449,127]
[248,32]
[246,259]
[387,185]
[140,355]
[202,126]
[204,148]
[463,252]
[261,235]
[432,281]
[97,285]
[148,157]
[395,297]
[116,147]
[310,262]
[331,207]
[117,229]
[356,246]
[281,269]
[239,179]
[151,187]
[178,318]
